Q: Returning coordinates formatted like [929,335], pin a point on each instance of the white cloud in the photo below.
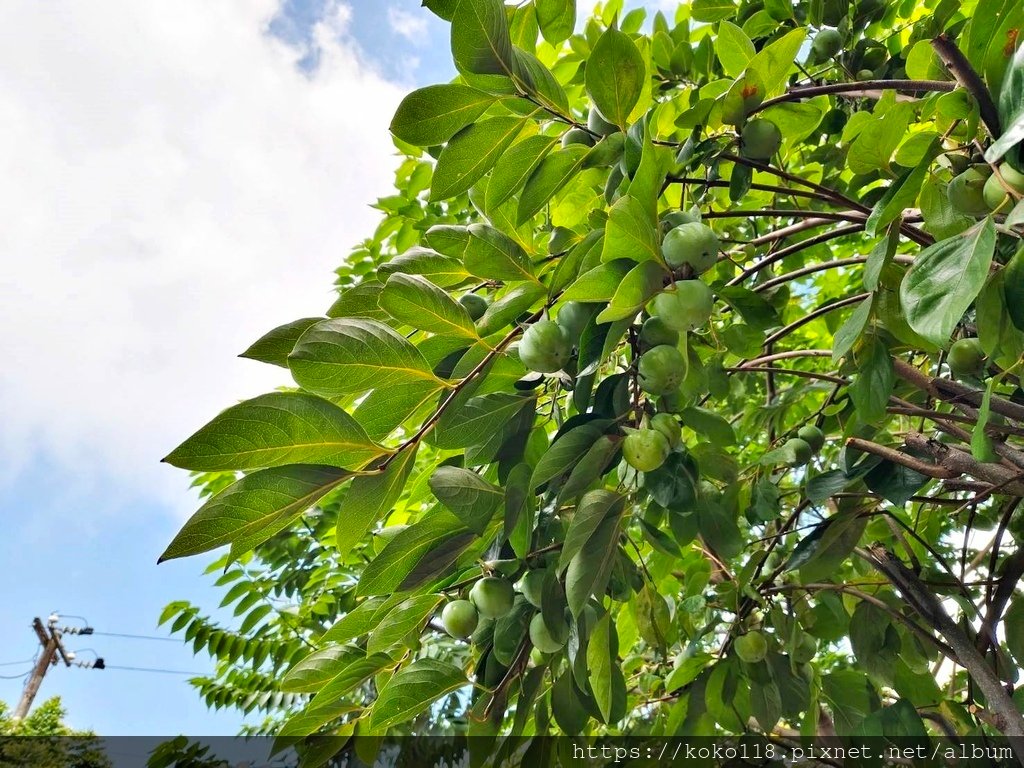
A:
[411,26]
[172,188]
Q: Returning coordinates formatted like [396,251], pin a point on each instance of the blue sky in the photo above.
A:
[185,185]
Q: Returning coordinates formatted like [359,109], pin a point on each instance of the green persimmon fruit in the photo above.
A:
[674,219]
[865,74]
[811,435]
[545,347]
[573,317]
[1012,176]
[827,43]
[661,370]
[966,357]
[760,139]
[673,402]
[693,244]
[460,618]
[531,586]
[645,450]
[669,427]
[542,638]
[656,332]
[873,58]
[686,308]
[801,451]
[577,136]
[474,304]
[749,250]
[966,192]
[597,123]
[493,596]
[384,536]
[996,196]
[751,647]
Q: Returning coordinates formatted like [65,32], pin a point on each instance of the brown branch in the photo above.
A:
[820,311]
[759,187]
[960,68]
[903,459]
[789,250]
[862,87]
[1008,718]
[963,463]
[955,393]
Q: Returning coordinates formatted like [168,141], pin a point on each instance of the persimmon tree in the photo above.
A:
[677,392]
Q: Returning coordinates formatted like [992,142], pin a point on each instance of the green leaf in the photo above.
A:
[718,528]
[417,686]
[274,429]
[439,269]
[476,420]
[434,114]
[556,18]
[874,145]
[775,61]
[355,623]
[275,346]
[515,166]
[330,701]
[471,153]
[944,279]
[553,173]
[710,11]
[1013,288]
[563,454]
[417,302]
[480,38]
[594,508]
[383,409]
[1011,112]
[709,425]
[469,497]
[316,669]
[630,232]
[507,309]
[493,255]
[253,509]
[848,333]
[1013,622]
[369,499]
[733,47]
[981,443]
[600,283]
[408,616]
[879,258]
[644,281]
[348,356]
[875,379]
[589,570]
[388,572]
[539,82]
[615,76]
[599,664]
[359,301]
[902,193]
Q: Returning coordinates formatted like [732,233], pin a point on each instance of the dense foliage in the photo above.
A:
[44,740]
[704,333]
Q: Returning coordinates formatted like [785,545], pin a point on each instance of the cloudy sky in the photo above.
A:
[177,178]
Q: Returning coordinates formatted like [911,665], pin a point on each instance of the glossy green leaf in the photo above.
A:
[347,356]
[553,173]
[733,48]
[944,280]
[480,38]
[640,285]
[417,302]
[275,429]
[414,688]
[370,498]
[556,19]
[593,509]
[275,346]
[471,153]
[615,76]
[600,283]
[401,620]
[439,269]
[515,166]
[630,233]
[254,508]
[493,255]
[469,497]
[434,114]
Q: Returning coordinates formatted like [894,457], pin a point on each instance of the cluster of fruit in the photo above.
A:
[492,598]
[807,442]
[978,191]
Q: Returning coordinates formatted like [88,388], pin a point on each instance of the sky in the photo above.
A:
[177,179]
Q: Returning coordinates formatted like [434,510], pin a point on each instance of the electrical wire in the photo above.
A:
[164,671]
[15,663]
[139,637]
[16,677]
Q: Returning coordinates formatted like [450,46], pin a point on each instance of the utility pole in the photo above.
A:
[50,638]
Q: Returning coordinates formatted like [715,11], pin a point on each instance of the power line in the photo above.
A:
[139,637]
[165,671]
[14,663]
[15,677]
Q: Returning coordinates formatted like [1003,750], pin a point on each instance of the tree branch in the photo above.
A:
[960,68]
[1008,718]
[863,87]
